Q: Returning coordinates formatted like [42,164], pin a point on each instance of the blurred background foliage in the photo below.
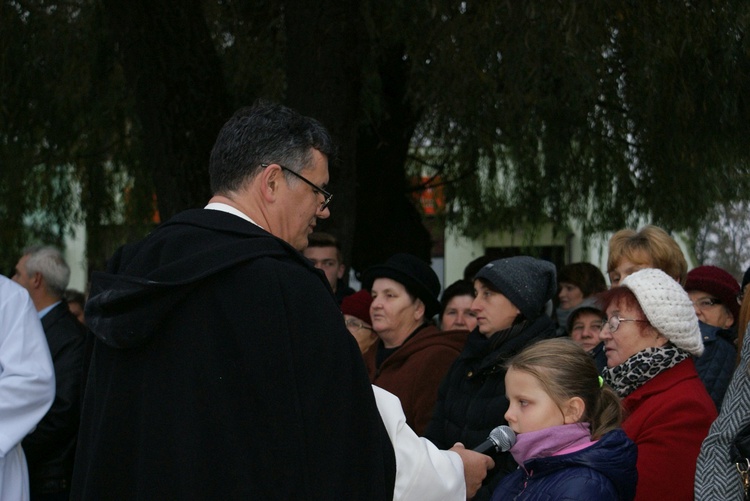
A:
[523,113]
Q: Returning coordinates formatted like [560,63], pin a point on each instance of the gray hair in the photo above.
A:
[50,263]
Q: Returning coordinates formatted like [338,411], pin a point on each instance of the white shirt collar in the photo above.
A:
[46,310]
[231,210]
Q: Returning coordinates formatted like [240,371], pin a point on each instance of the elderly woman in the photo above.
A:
[714,292]
[456,310]
[649,339]
[584,326]
[510,298]
[412,355]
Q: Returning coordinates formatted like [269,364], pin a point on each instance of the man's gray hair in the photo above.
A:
[50,263]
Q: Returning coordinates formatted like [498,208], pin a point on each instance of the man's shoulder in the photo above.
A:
[60,320]
[198,242]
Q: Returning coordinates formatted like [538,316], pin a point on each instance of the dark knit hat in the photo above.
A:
[527,282]
[717,282]
[358,305]
[417,276]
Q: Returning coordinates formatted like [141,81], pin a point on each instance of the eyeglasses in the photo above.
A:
[356,324]
[613,322]
[705,303]
[316,189]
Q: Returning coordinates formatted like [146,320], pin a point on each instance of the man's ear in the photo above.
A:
[269,182]
[573,410]
[37,280]
[340,272]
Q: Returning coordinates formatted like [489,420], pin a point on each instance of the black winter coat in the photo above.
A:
[223,370]
[471,399]
[50,448]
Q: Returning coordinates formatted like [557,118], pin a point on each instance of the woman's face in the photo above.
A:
[626,267]
[458,314]
[586,329]
[629,338]
[393,312]
[570,295]
[494,311]
[710,311]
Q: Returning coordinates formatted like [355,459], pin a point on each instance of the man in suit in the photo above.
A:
[50,448]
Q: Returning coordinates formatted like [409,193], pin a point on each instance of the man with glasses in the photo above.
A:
[222,368]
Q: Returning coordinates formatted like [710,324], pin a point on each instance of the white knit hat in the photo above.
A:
[668,308]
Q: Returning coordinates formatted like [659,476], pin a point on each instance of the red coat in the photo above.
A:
[414,371]
[668,418]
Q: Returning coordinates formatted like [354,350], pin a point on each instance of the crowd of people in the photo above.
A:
[226,357]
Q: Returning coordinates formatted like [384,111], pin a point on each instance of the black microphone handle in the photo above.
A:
[487,447]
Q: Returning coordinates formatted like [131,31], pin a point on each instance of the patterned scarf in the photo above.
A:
[642,367]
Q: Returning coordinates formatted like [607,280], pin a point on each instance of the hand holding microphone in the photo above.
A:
[478,461]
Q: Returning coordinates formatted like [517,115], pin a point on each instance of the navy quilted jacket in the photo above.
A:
[605,470]
[716,365]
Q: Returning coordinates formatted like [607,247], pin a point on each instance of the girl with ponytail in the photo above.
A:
[569,441]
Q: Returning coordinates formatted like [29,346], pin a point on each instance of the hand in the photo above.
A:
[476,466]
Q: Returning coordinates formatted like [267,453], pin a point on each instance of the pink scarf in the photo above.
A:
[553,441]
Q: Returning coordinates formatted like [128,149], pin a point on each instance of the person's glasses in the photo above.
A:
[316,189]
[356,324]
[706,303]
[613,322]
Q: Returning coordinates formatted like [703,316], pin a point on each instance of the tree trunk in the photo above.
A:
[326,42]
[174,72]
[388,221]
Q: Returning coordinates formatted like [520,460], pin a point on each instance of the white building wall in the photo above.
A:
[75,255]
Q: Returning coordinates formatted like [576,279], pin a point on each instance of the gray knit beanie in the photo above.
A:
[668,307]
[527,282]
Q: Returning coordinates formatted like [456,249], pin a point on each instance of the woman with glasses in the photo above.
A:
[411,355]
[713,292]
[356,310]
[650,338]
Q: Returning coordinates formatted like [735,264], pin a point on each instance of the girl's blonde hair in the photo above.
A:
[565,371]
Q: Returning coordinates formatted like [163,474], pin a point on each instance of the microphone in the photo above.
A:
[501,439]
